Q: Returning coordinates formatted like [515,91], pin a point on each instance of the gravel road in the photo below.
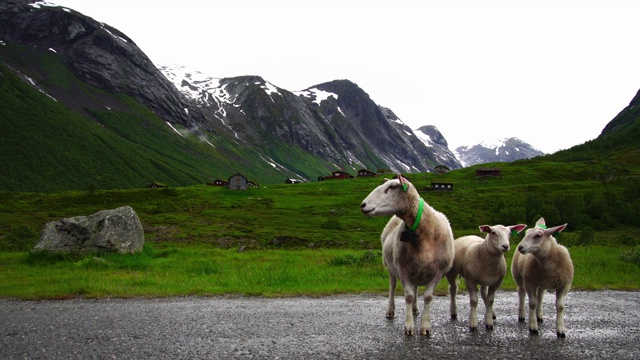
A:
[603,324]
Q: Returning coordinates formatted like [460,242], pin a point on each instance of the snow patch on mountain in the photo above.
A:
[317,94]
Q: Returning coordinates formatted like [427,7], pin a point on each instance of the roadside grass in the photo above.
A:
[164,269]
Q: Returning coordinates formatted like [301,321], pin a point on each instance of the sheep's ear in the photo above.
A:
[541,224]
[403,182]
[556,228]
[385,179]
[485,228]
[517,228]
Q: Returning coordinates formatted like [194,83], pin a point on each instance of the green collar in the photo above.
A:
[418,217]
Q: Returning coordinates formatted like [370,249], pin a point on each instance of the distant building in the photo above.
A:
[291,181]
[155,185]
[441,169]
[338,174]
[366,173]
[488,172]
[441,186]
[218,182]
[238,182]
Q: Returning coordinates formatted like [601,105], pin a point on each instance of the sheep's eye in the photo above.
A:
[493,232]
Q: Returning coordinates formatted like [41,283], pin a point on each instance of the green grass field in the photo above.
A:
[307,239]
[175,270]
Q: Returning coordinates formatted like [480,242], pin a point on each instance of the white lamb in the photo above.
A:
[542,264]
[417,246]
[480,262]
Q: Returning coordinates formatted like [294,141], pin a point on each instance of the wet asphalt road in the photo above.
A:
[604,324]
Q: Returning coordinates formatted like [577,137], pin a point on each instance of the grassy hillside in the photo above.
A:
[326,214]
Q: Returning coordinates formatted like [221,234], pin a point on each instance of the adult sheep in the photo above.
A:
[542,264]
[417,246]
[480,262]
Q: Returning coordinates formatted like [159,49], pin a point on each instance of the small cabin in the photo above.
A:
[238,182]
[155,185]
[218,182]
[291,181]
[441,186]
[441,169]
[338,174]
[366,173]
[488,172]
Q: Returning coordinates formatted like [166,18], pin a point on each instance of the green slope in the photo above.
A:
[93,139]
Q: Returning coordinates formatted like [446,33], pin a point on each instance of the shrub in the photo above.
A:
[587,236]
[367,258]
[631,255]
[22,238]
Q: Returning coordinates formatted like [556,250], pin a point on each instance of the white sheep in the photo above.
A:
[417,246]
[542,264]
[480,262]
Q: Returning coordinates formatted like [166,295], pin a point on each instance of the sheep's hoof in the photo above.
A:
[410,331]
[533,332]
[454,316]
[520,319]
[425,332]
[488,327]
[473,328]
[561,335]
[390,314]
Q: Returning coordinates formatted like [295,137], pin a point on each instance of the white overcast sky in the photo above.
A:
[552,73]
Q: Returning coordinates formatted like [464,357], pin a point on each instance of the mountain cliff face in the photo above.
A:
[336,120]
[503,150]
[96,53]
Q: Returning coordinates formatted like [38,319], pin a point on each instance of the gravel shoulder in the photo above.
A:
[602,324]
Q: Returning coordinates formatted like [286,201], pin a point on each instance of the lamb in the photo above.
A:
[542,264]
[480,262]
[417,246]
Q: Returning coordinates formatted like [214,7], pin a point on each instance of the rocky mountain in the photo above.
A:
[433,139]
[169,119]
[502,150]
[336,121]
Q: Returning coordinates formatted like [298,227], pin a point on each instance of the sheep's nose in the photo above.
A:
[520,248]
[505,247]
[363,205]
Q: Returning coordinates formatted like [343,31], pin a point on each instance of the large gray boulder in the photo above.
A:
[117,230]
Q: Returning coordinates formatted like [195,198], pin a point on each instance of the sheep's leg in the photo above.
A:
[415,301]
[409,297]
[521,310]
[453,291]
[484,292]
[539,309]
[560,294]
[473,301]
[489,295]
[425,325]
[533,305]
[391,306]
